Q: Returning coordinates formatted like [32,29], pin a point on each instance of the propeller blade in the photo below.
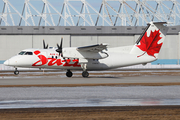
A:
[61,43]
[44,45]
[58,46]
[59,50]
[47,46]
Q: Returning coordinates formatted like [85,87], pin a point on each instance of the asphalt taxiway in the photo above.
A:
[88,81]
[44,97]
[109,88]
[95,78]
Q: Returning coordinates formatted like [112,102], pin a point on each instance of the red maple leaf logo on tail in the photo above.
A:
[150,44]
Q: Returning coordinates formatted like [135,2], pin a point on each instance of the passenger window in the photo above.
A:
[52,57]
[56,57]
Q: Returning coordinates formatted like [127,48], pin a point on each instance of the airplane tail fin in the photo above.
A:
[150,42]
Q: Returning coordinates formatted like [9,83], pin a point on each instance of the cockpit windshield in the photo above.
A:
[28,53]
[25,53]
[22,53]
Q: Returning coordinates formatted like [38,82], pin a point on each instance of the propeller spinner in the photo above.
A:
[59,50]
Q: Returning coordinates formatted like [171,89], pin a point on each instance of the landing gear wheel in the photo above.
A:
[85,74]
[69,73]
[16,72]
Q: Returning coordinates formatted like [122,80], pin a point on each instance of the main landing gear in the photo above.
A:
[69,73]
[84,73]
[16,72]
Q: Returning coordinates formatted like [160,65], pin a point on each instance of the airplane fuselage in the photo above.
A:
[49,58]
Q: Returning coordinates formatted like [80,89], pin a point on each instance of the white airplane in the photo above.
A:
[94,57]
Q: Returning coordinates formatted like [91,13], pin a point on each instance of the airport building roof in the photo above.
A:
[78,30]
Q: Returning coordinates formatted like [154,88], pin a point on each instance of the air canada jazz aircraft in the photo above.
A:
[94,57]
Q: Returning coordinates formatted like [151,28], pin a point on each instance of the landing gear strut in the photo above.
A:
[69,73]
[85,72]
[16,72]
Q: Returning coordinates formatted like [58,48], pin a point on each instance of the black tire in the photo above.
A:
[85,74]
[69,74]
[16,72]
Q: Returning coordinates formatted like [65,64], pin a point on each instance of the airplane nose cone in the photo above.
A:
[6,62]
[11,62]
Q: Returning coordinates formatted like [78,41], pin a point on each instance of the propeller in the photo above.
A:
[44,45]
[59,50]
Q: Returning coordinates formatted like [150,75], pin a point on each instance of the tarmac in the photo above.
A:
[170,77]
[133,94]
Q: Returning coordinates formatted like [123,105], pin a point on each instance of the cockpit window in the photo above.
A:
[25,53]
[28,53]
[21,53]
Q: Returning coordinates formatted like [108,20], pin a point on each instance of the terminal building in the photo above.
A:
[119,25]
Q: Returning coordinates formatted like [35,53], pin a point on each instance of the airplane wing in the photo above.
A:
[86,52]
[93,48]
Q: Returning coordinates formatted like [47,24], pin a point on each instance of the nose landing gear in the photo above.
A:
[16,72]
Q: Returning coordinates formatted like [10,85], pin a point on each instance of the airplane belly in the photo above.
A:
[96,65]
